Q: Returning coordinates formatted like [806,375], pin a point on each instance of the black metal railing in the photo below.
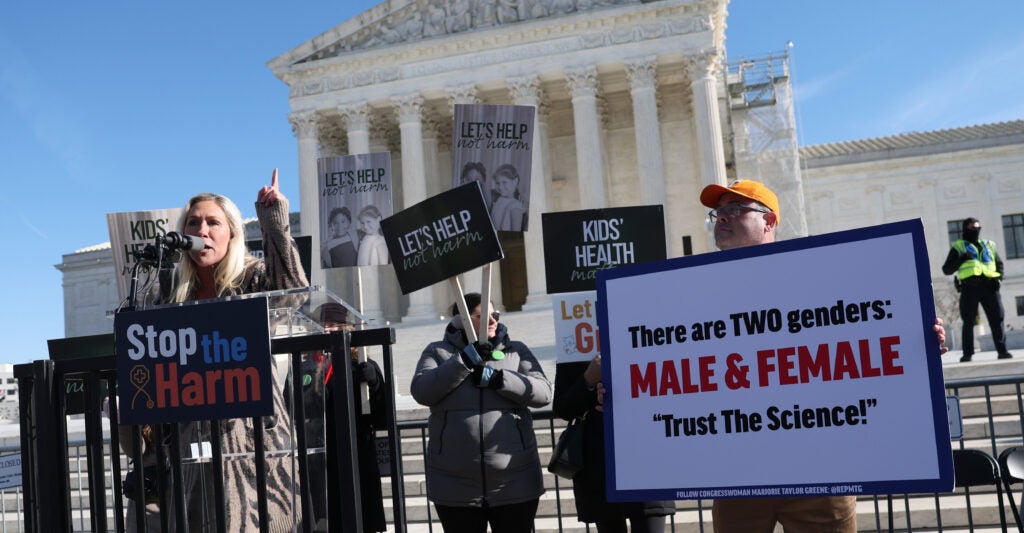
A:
[71,486]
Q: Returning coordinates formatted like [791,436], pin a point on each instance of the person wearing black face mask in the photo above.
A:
[979,270]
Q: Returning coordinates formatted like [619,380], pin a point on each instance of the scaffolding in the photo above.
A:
[763,123]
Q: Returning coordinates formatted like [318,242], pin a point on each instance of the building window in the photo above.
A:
[1020,305]
[1013,236]
[955,229]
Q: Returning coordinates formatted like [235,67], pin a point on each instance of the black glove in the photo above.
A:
[470,357]
[484,349]
[487,377]
[995,283]
[365,372]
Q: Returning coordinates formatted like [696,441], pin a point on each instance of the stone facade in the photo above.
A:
[937,176]
[90,290]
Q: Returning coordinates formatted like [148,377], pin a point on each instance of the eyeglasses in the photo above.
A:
[732,210]
[496,315]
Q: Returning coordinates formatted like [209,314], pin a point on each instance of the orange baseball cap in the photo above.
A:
[753,190]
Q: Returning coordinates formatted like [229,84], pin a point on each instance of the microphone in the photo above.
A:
[177,241]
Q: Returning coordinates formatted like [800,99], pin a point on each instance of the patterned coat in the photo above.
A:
[280,269]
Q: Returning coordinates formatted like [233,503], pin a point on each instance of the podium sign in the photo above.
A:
[441,237]
[194,362]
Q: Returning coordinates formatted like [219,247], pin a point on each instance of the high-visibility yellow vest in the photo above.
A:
[981,263]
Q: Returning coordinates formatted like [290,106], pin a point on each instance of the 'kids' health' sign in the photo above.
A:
[784,369]
[195,362]
[577,244]
[132,231]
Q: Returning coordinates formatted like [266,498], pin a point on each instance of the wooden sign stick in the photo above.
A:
[460,302]
[485,302]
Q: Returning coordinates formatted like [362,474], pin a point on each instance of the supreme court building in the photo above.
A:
[629,98]
[637,104]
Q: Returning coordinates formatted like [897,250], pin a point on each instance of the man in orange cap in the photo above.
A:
[747,213]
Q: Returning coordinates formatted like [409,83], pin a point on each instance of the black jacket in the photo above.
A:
[572,399]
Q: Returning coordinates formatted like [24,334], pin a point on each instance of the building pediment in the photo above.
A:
[397,22]
[345,57]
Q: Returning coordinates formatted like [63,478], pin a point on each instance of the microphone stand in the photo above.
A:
[156,255]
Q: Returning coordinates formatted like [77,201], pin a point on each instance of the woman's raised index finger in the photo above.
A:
[273,180]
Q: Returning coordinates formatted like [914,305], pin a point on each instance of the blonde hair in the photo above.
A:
[229,273]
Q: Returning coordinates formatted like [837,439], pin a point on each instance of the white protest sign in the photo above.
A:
[132,231]
[576,326]
[805,367]
[493,145]
[10,471]
[355,194]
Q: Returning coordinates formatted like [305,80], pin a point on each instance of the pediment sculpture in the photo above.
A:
[426,19]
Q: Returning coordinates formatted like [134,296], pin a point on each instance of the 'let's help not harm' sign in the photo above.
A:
[441,237]
[797,368]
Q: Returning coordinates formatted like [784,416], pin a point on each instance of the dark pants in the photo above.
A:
[985,293]
[639,523]
[515,518]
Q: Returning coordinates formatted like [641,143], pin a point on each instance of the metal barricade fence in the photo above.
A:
[992,414]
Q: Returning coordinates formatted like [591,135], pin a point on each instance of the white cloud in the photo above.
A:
[35,229]
[804,92]
[12,210]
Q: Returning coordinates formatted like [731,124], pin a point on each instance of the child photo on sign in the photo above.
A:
[339,250]
[372,248]
[475,171]
[508,210]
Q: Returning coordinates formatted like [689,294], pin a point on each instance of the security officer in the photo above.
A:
[979,270]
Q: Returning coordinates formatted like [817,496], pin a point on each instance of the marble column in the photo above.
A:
[414,184]
[641,74]
[436,179]
[304,126]
[356,118]
[707,125]
[587,123]
[345,282]
[527,91]
[437,163]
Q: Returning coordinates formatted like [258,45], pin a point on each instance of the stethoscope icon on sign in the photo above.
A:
[139,379]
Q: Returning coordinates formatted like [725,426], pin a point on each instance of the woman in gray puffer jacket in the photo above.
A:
[482,462]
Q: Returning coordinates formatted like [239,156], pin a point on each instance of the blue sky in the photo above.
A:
[121,106]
